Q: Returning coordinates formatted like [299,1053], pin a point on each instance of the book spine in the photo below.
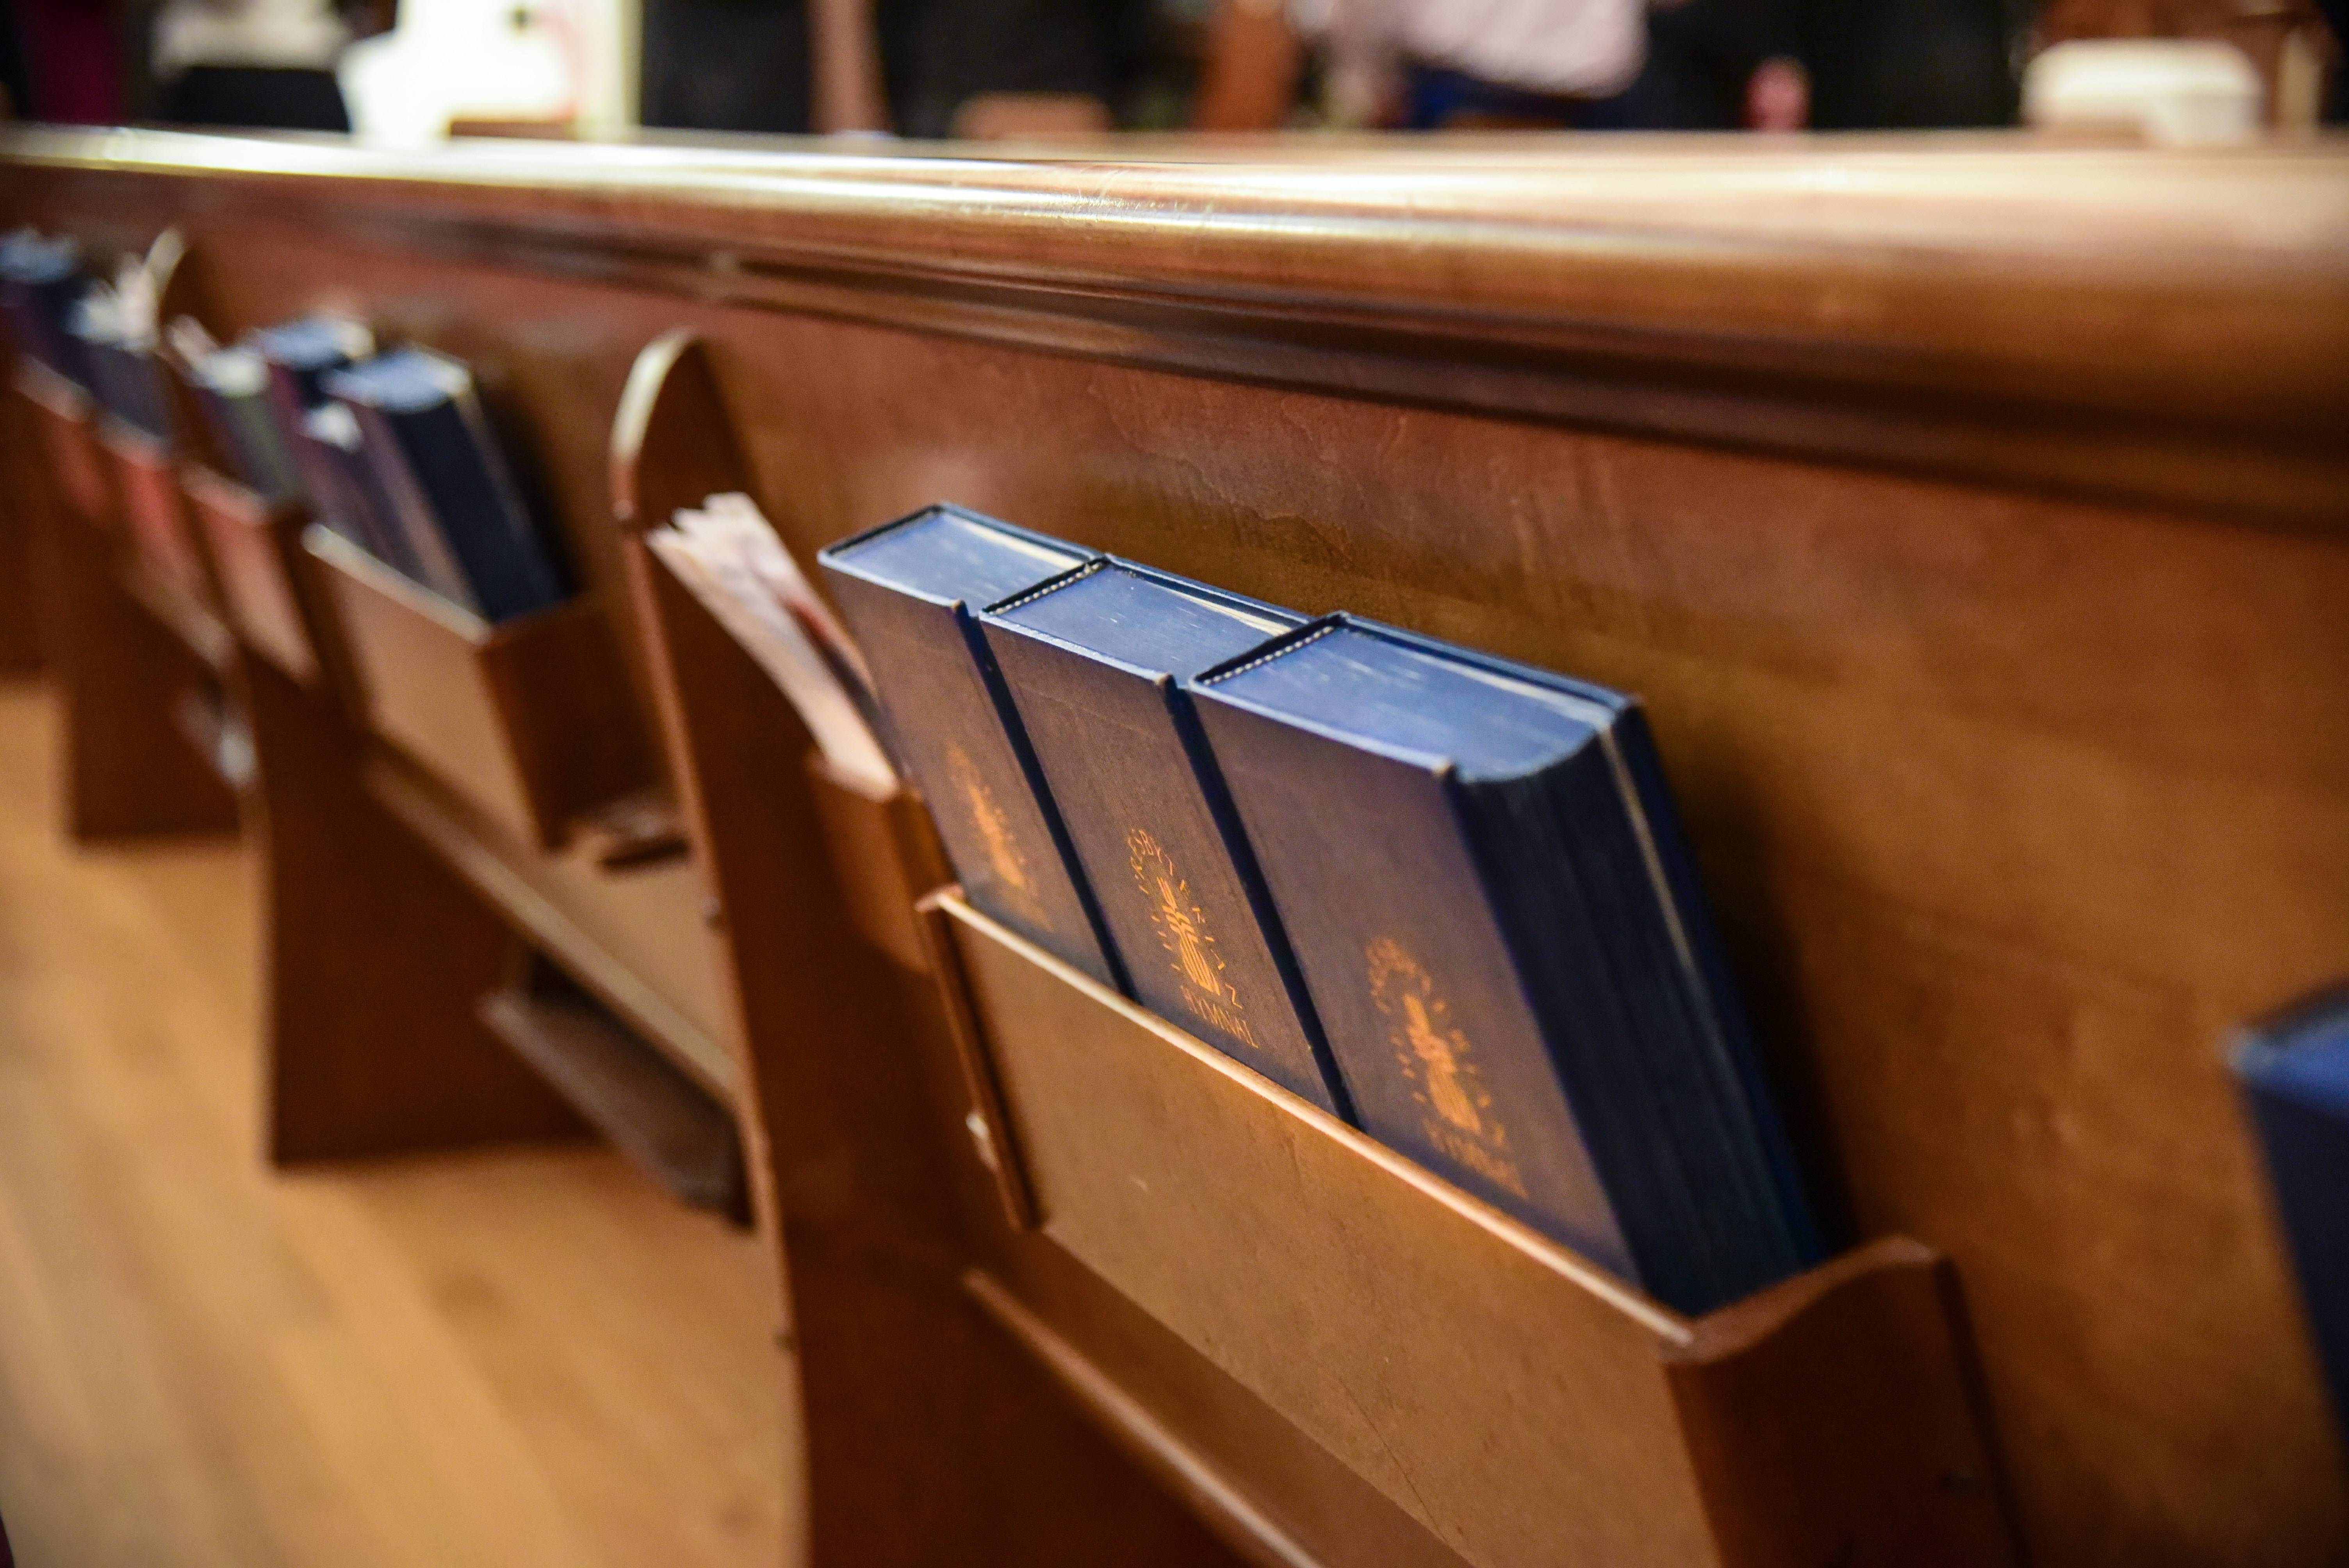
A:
[460,469]
[423,535]
[2307,1148]
[1681,891]
[345,492]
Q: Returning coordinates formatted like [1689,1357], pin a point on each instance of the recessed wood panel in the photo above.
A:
[1510,1397]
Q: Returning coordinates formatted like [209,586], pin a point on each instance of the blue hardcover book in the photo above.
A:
[1094,661]
[231,388]
[41,283]
[452,497]
[124,374]
[297,354]
[1481,875]
[908,590]
[2296,1073]
[345,492]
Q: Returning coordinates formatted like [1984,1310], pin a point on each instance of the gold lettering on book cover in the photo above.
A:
[1182,927]
[1437,1059]
[1003,856]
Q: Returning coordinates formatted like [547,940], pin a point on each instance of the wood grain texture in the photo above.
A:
[2005,726]
[1837,1418]
[865,1138]
[508,1359]
[637,936]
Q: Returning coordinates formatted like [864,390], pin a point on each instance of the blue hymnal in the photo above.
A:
[41,283]
[298,355]
[452,497]
[1094,661]
[346,492]
[124,374]
[2295,1068]
[1479,869]
[231,388]
[909,591]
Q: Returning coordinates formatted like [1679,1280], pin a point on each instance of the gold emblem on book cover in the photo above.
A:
[1437,1059]
[1003,856]
[1182,927]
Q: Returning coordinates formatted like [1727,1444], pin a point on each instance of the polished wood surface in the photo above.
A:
[510,1359]
[20,563]
[675,1130]
[1970,305]
[1992,637]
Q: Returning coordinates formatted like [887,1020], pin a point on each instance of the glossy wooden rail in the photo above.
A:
[1974,305]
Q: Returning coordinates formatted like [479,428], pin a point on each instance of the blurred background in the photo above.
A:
[418,69]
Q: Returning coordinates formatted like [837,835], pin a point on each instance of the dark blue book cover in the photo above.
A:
[1483,881]
[1095,662]
[345,493]
[451,491]
[125,376]
[41,283]
[910,591]
[2296,1073]
[299,355]
[296,356]
[231,388]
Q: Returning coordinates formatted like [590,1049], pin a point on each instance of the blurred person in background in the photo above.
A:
[916,67]
[263,64]
[1682,64]
[982,67]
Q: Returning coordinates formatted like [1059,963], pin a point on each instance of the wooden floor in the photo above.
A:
[506,1358]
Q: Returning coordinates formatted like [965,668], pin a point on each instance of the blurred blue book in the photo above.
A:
[42,281]
[910,591]
[296,356]
[1480,873]
[301,353]
[450,493]
[125,375]
[1095,661]
[231,394]
[346,494]
[2296,1071]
